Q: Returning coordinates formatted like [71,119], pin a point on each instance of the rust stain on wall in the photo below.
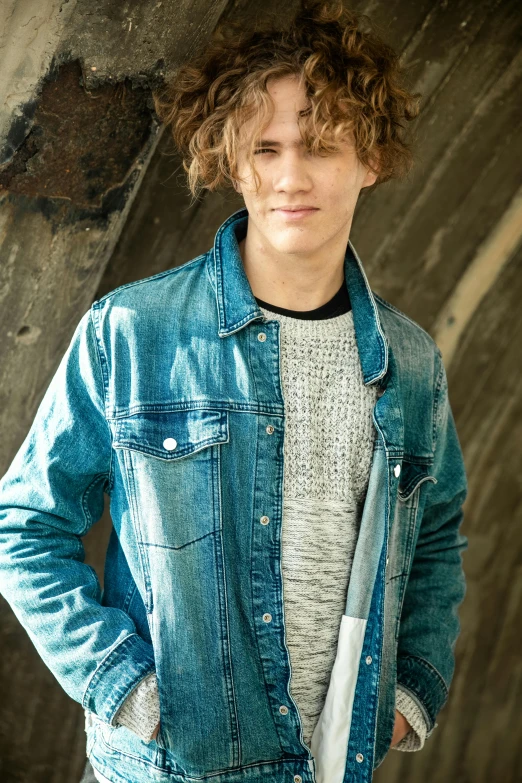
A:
[82,143]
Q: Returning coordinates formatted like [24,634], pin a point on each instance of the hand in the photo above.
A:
[400,729]
[155,732]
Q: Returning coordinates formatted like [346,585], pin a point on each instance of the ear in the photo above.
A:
[370,175]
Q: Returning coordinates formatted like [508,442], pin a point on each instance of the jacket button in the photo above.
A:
[283,710]
[270,429]
[170,443]
[298,779]
[369,659]
[264,520]
[397,470]
[261,337]
[359,757]
[267,617]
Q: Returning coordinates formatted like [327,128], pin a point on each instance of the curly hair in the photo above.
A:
[352,80]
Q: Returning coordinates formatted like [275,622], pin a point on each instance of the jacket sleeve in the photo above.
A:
[50,496]
[429,622]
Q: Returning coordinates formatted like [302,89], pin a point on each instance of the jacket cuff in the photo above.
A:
[140,712]
[118,674]
[424,684]
[416,736]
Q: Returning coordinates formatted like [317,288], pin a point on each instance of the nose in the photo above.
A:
[291,175]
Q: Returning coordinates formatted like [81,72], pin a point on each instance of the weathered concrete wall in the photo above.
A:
[112,41]
[77,131]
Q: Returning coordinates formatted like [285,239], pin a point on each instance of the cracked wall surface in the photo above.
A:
[82,142]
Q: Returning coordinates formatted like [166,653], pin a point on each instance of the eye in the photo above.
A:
[261,150]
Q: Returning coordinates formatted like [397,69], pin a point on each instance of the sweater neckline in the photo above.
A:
[337,305]
[314,329]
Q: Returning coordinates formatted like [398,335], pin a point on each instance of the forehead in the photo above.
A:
[288,94]
[289,100]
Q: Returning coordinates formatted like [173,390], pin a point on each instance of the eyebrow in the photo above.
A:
[270,143]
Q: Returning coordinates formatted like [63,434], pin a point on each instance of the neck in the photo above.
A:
[296,282]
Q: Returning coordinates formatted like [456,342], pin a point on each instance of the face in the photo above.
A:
[325,189]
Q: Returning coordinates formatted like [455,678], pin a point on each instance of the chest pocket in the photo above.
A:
[171,464]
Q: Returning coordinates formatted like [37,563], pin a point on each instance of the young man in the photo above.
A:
[286,481]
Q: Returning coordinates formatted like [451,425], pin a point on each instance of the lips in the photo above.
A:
[296,214]
[296,208]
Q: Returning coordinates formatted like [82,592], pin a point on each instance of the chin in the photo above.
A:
[294,248]
[304,243]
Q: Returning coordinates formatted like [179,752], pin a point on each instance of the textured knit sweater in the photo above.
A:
[328,445]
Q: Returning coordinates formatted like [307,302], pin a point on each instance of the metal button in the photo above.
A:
[170,443]
[270,429]
[369,659]
[261,337]
[264,520]
[267,617]
[283,710]
[397,470]
[298,779]
[359,757]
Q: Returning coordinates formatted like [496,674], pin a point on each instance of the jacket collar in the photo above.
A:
[237,306]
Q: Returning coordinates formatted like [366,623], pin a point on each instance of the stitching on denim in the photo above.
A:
[103,366]
[251,560]
[97,672]
[394,309]
[440,382]
[228,654]
[88,517]
[181,453]
[145,280]
[154,545]
[130,484]
[287,761]
[429,666]
[169,407]
[131,592]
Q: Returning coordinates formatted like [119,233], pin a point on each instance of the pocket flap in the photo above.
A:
[412,475]
[171,434]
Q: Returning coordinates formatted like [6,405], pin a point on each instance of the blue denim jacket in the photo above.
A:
[169,399]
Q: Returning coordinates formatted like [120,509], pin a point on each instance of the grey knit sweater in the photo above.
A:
[328,444]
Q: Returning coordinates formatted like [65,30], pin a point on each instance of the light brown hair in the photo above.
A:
[353,82]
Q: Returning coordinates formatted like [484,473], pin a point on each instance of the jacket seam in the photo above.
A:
[157,276]
[251,580]
[88,517]
[405,317]
[436,402]
[430,667]
[93,316]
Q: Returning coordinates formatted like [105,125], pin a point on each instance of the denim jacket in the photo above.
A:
[169,399]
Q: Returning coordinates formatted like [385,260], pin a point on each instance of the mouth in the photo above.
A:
[296,214]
